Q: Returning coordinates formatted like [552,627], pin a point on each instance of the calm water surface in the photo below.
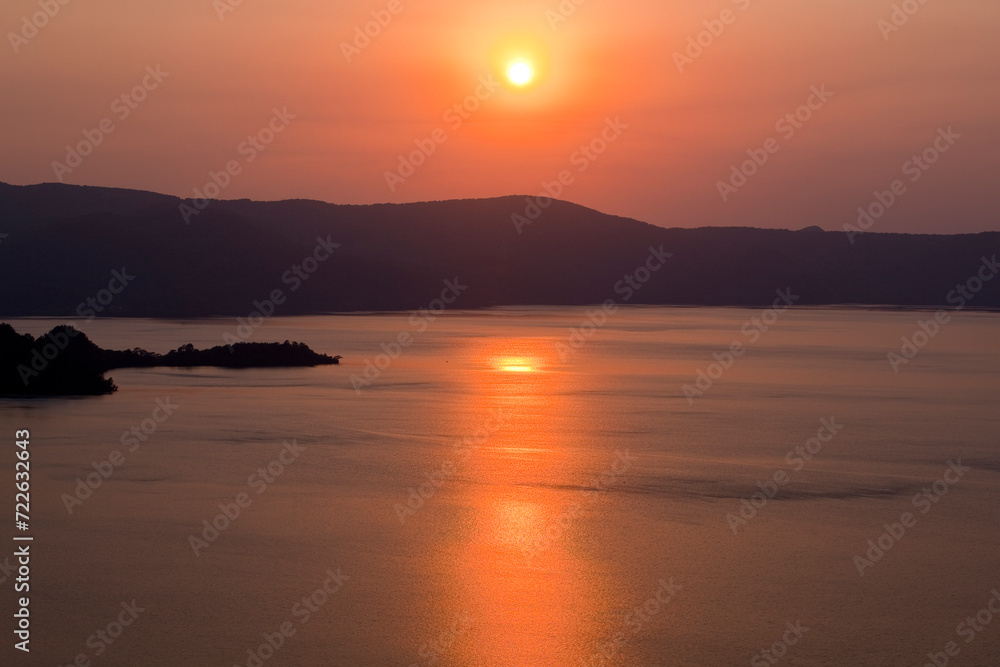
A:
[498,497]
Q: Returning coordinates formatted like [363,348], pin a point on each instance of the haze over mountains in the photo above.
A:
[64,243]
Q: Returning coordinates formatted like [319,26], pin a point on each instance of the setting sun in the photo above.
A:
[520,73]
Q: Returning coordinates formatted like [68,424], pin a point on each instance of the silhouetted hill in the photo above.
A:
[238,355]
[64,242]
[64,362]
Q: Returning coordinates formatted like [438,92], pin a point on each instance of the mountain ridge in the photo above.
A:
[63,242]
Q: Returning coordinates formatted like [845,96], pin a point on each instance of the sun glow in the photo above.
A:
[520,73]
[523,62]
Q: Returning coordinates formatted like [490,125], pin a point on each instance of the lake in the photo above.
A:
[527,487]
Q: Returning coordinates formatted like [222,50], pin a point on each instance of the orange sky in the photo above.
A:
[607,61]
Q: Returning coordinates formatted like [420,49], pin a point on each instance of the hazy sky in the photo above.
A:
[678,125]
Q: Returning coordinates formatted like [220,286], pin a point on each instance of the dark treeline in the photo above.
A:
[64,362]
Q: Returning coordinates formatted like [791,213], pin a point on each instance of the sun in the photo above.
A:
[520,73]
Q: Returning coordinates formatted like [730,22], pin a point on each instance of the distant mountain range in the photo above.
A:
[86,251]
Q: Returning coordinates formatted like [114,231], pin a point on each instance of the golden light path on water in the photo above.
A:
[514,572]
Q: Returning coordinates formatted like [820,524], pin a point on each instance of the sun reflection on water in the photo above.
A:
[533,607]
[515,365]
